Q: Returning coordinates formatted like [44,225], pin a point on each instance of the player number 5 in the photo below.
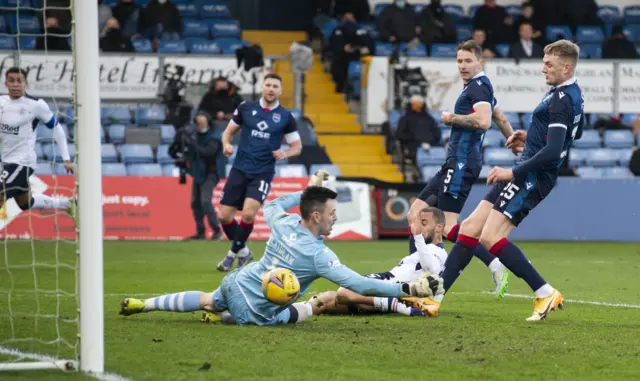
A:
[447,179]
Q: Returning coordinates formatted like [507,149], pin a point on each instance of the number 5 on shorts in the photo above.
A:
[447,179]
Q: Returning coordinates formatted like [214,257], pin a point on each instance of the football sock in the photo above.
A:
[459,257]
[180,302]
[231,230]
[453,233]
[412,245]
[41,201]
[514,259]
[485,256]
[544,291]
[242,235]
[495,264]
[388,304]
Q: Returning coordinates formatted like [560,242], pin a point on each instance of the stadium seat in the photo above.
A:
[629,118]
[418,51]
[589,139]
[578,157]
[591,51]
[428,172]
[443,50]
[632,15]
[59,169]
[370,28]
[114,169]
[514,119]
[590,173]
[493,138]
[109,153]
[557,32]
[602,157]
[394,119]
[632,32]
[610,14]
[624,156]
[16,3]
[225,29]
[172,47]
[384,49]
[378,8]
[484,172]
[291,170]
[229,45]
[142,45]
[116,133]
[43,169]
[455,11]
[618,139]
[215,10]
[513,11]
[144,170]
[167,133]
[44,134]
[7,43]
[187,8]
[142,3]
[202,46]
[169,170]
[333,170]
[195,28]
[473,9]
[617,173]
[445,134]
[307,135]
[162,156]
[27,43]
[136,154]
[503,50]
[112,115]
[354,71]
[464,32]
[589,34]
[434,156]
[499,156]
[3,25]
[20,23]
[150,115]
[52,152]
[39,152]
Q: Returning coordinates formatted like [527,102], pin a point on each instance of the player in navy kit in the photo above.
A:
[557,122]
[449,188]
[262,125]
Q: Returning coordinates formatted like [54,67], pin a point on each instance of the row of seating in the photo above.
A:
[590,139]
[583,172]
[116,133]
[195,45]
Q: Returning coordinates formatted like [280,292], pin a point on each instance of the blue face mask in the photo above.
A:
[400,4]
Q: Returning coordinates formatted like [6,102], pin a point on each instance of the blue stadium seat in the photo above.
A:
[514,119]
[445,133]
[354,72]
[167,133]
[629,118]
[195,28]
[59,169]
[632,32]
[215,10]
[291,170]
[172,46]
[590,173]
[169,169]
[513,11]
[15,3]
[20,23]
[464,32]
[202,46]
[43,169]
[384,49]
[327,29]
[142,45]
[602,157]
[3,25]
[110,3]
[163,155]
[112,115]
[578,157]
[187,8]
[150,115]
[377,9]
[632,14]
[617,173]
[114,169]
[44,134]
[116,133]
[473,9]
[493,138]
[27,42]
[7,43]
[418,51]
[333,170]
[142,3]
[499,156]
[624,156]
[428,172]
[52,152]
[230,45]
[610,14]
[394,119]
[144,170]
[39,152]
[109,153]
[556,32]
[591,51]
[434,156]
[503,50]
[455,11]
[484,172]
[136,154]
[618,139]
[589,139]
[443,50]
[589,34]
[371,29]
[225,28]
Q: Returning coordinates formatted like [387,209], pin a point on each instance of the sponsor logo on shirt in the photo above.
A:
[334,264]
[11,130]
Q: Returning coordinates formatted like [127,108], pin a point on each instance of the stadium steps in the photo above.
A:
[273,42]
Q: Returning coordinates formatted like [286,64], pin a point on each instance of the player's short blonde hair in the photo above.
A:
[564,49]
[471,47]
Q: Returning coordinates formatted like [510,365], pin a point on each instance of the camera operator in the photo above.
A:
[198,152]
[348,43]
[221,99]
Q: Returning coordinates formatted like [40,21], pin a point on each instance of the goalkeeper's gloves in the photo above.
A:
[427,285]
[317,178]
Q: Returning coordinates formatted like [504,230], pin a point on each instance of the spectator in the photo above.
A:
[529,16]
[161,20]
[488,49]
[495,21]
[417,128]
[525,48]
[437,26]
[618,47]
[581,12]
[104,14]
[57,22]
[128,15]
[113,41]
[348,43]
[221,100]
[398,23]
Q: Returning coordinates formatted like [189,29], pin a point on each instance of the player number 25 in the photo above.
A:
[509,191]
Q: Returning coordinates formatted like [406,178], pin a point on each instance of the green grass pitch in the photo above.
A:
[474,338]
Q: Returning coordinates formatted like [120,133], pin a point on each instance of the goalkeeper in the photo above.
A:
[427,260]
[295,244]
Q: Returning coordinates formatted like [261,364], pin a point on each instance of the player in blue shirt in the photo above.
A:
[448,190]
[557,121]
[296,244]
[262,126]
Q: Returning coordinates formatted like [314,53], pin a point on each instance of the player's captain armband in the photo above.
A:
[335,263]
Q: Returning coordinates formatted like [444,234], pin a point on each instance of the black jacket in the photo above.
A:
[350,34]
[397,22]
[437,26]
[516,50]
[415,128]
[113,41]
[619,48]
[214,102]
[166,14]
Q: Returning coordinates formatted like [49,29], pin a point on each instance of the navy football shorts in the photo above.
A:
[241,185]
[515,199]
[14,179]
[451,185]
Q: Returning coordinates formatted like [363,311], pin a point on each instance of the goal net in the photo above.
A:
[41,286]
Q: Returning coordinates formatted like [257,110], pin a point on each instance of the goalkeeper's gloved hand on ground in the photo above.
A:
[427,285]
[318,178]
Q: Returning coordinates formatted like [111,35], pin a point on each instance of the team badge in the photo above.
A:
[276,117]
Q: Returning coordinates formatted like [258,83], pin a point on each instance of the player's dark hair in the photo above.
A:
[313,199]
[273,76]
[471,47]
[438,214]
[15,70]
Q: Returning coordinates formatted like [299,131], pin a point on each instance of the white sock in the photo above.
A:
[438,298]
[381,304]
[495,265]
[244,252]
[41,201]
[544,291]
[149,305]
[402,309]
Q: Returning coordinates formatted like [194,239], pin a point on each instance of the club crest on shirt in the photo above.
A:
[276,117]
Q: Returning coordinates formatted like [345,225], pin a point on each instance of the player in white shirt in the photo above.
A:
[19,117]
[429,257]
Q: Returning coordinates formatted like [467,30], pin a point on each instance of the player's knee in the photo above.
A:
[488,240]
[343,296]
[248,216]
[324,299]
[470,227]
[224,216]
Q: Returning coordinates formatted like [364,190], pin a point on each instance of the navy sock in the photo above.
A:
[459,257]
[484,255]
[412,245]
[242,236]
[231,230]
[514,259]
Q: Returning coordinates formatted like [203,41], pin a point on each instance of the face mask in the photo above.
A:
[400,4]
[222,91]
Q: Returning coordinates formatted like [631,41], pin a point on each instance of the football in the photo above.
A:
[280,286]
